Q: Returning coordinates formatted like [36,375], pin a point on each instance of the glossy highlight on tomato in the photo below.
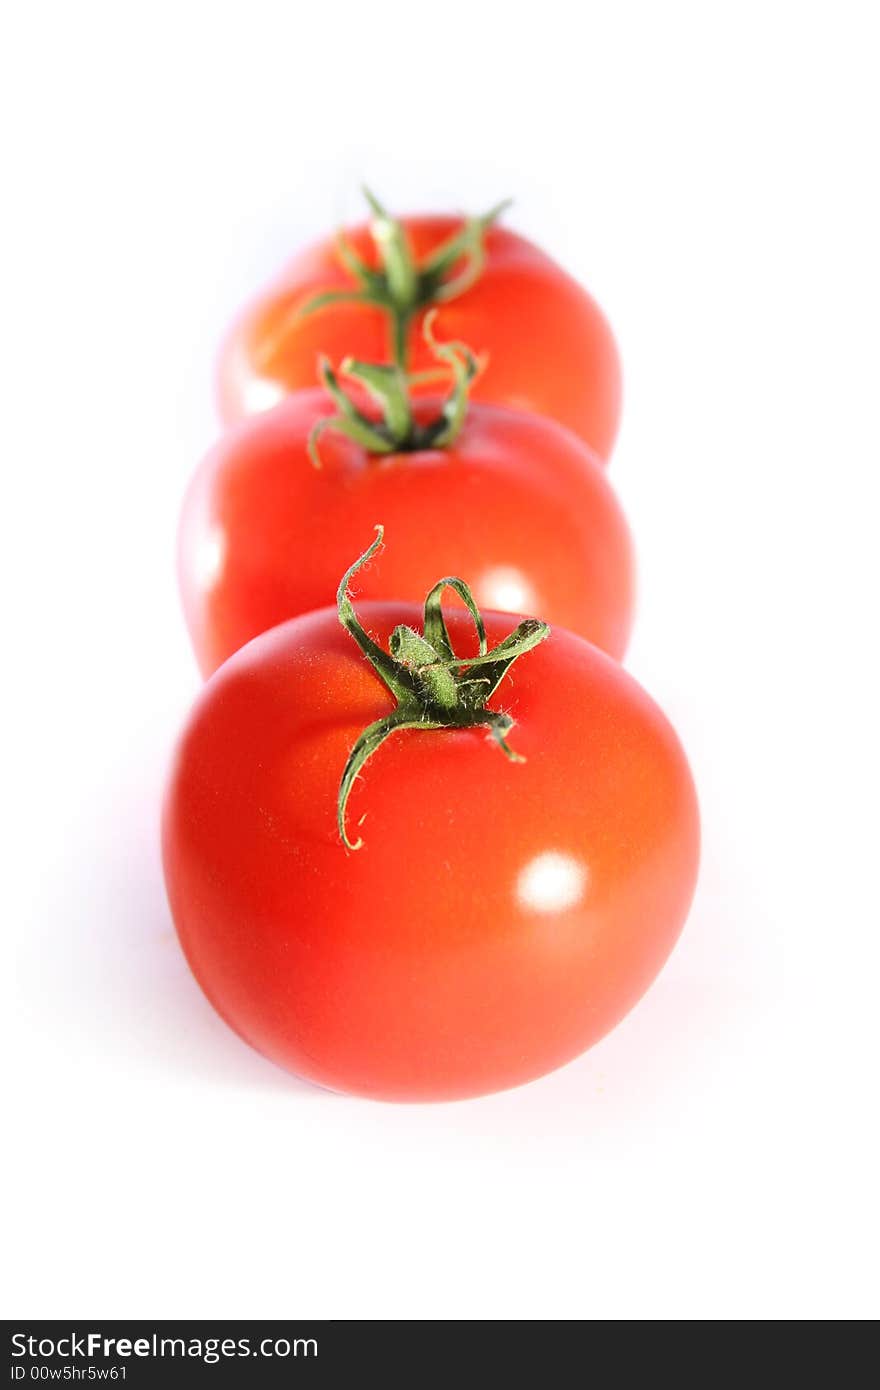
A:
[549,348]
[500,916]
[516,503]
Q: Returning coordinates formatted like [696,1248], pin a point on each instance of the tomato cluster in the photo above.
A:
[420,853]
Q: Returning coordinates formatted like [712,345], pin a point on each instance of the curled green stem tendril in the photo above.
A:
[397,431]
[432,687]
[401,286]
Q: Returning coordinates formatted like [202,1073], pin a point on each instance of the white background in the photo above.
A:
[710,172]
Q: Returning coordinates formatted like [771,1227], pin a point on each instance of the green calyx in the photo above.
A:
[397,431]
[401,286]
[433,688]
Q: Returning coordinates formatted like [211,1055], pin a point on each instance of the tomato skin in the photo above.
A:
[550,349]
[499,918]
[517,507]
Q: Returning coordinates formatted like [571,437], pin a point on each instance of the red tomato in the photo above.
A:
[500,916]
[516,503]
[549,347]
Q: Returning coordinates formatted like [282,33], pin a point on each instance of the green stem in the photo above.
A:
[399,326]
[397,431]
[433,689]
[401,286]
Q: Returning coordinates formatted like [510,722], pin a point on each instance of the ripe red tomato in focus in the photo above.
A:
[549,348]
[516,503]
[499,918]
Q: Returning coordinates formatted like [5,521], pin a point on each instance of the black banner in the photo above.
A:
[119,1354]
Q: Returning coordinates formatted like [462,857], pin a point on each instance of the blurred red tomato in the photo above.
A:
[549,347]
[516,503]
